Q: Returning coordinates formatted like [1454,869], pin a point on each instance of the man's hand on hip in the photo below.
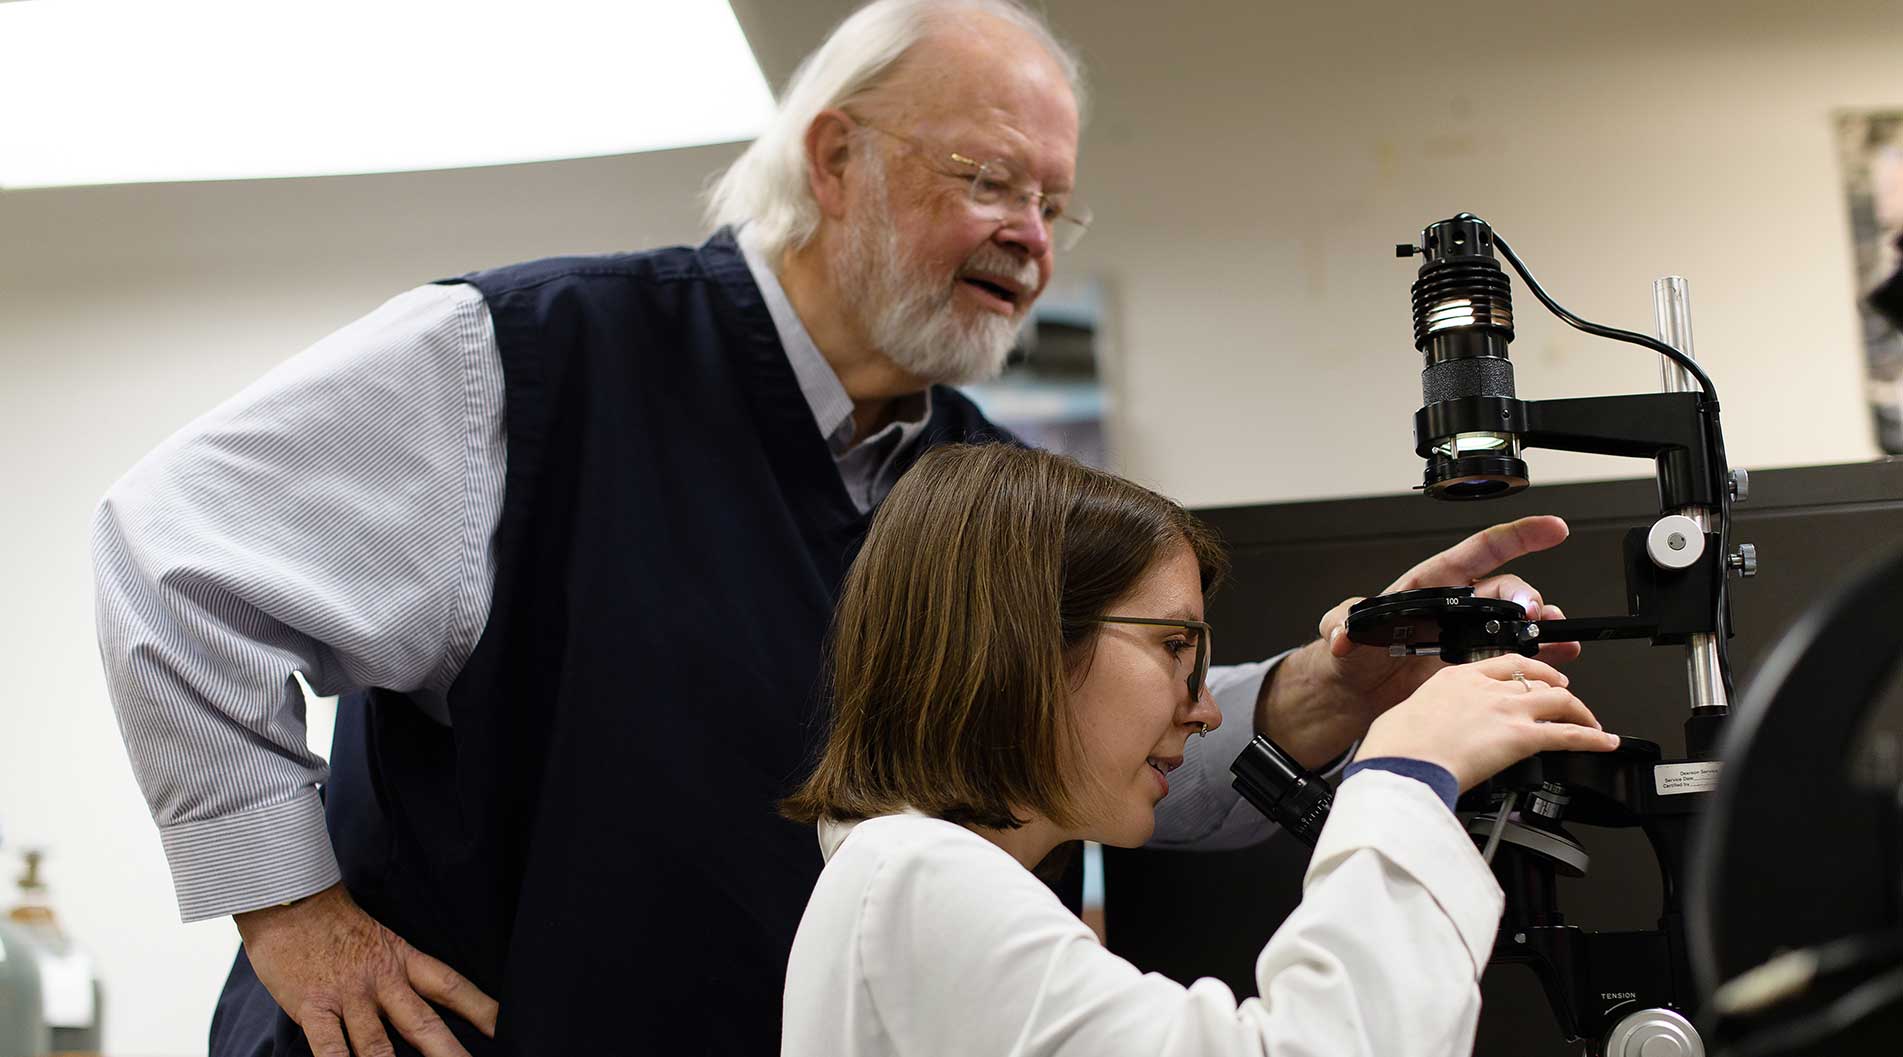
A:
[336,971]
[1323,697]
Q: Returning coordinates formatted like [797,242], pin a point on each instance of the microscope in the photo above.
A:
[1621,993]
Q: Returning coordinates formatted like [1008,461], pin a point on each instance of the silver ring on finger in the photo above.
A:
[1520,677]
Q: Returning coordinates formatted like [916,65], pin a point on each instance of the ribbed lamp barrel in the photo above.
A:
[1463,322]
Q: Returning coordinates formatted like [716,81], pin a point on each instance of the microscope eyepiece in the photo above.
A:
[1463,321]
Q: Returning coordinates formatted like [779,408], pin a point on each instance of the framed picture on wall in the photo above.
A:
[1870,144]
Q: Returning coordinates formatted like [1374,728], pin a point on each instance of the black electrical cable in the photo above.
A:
[1690,365]
[1721,468]
[1723,623]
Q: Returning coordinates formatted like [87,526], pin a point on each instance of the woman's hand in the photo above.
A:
[1325,696]
[1477,719]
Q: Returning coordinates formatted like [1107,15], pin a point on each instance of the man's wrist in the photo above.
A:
[1294,709]
[262,917]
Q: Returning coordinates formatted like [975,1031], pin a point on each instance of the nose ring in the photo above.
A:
[1204,732]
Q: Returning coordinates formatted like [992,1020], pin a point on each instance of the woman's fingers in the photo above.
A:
[1504,666]
[1564,722]
[1555,736]
[1475,719]
[1555,705]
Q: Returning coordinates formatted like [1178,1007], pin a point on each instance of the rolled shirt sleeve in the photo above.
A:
[334,519]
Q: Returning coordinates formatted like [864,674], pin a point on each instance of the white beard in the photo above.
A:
[907,313]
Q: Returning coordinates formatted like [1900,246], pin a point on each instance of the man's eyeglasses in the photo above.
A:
[1199,671]
[998,191]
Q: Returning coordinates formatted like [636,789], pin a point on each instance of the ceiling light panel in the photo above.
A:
[138,91]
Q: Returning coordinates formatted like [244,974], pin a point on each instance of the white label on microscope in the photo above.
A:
[1673,778]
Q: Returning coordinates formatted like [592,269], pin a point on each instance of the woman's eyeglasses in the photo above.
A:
[1200,670]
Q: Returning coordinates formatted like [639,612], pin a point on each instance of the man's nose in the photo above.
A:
[1024,225]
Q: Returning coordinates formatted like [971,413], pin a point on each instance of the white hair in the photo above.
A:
[766,186]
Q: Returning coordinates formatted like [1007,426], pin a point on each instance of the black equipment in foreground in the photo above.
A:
[1625,994]
[1280,788]
[1795,894]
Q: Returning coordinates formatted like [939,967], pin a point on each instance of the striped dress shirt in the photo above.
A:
[335,520]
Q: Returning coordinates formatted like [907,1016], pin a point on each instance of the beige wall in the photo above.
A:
[1252,165]
[1255,168]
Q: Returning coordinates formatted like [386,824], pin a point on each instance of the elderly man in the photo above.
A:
[577,526]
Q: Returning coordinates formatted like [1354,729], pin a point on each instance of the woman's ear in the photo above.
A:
[828,156]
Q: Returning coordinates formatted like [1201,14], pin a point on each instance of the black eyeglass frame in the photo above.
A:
[1200,672]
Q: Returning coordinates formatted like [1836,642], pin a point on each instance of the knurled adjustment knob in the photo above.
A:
[1745,560]
[1657,1032]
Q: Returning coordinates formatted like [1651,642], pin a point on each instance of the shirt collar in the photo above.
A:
[833,833]
[832,407]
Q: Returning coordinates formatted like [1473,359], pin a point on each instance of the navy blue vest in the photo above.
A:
[594,840]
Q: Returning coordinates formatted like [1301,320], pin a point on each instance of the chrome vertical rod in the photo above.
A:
[1671,306]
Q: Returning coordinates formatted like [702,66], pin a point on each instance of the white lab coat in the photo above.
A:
[924,939]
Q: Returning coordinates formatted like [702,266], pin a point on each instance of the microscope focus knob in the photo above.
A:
[1675,542]
[1656,1032]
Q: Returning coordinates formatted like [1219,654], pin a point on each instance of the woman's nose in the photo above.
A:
[1204,711]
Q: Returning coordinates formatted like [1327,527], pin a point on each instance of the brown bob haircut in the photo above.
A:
[968,616]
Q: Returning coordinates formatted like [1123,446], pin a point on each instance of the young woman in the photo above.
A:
[1018,661]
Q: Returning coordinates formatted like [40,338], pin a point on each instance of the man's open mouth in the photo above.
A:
[1001,292]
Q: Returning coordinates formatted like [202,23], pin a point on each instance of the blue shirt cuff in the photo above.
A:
[1432,775]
